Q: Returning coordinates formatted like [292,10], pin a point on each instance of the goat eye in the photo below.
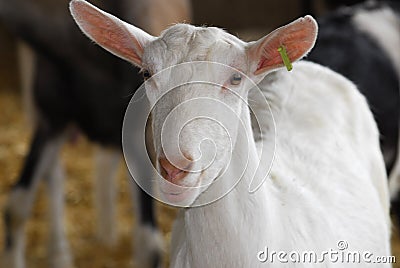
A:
[236,79]
[146,74]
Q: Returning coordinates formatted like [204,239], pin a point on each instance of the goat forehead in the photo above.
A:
[186,43]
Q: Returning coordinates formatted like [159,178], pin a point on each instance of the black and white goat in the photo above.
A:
[76,85]
[363,43]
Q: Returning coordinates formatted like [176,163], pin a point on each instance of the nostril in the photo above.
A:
[171,172]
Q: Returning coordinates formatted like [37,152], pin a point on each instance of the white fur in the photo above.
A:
[323,177]
[327,184]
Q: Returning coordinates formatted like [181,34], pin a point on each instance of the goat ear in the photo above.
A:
[116,36]
[297,37]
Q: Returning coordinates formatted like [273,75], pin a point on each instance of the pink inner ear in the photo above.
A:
[297,37]
[107,31]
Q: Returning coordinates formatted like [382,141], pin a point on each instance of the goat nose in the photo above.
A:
[172,173]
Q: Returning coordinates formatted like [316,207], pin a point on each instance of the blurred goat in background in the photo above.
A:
[362,42]
[74,85]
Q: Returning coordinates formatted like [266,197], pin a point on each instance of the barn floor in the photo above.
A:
[80,217]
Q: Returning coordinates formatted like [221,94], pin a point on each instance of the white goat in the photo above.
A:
[328,180]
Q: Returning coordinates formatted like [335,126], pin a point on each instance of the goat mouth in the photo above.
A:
[179,196]
[185,187]
[175,194]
